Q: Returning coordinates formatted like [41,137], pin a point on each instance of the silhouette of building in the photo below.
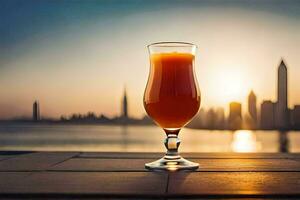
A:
[281,114]
[125,105]
[235,116]
[252,110]
[219,118]
[210,119]
[36,111]
[267,110]
[295,117]
[199,121]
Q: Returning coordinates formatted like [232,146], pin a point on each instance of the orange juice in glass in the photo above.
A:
[172,97]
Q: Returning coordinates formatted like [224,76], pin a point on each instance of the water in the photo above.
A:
[140,139]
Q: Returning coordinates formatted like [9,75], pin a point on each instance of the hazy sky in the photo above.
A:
[76,56]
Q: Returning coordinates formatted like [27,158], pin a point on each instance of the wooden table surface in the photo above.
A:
[99,175]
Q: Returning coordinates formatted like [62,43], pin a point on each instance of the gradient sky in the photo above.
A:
[76,56]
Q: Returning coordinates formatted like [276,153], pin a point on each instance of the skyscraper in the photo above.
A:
[296,117]
[36,111]
[252,109]
[235,116]
[125,105]
[267,111]
[211,119]
[219,118]
[281,115]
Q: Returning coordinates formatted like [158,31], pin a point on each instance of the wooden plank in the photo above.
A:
[139,155]
[11,178]
[96,197]
[137,198]
[234,183]
[98,164]
[11,154]
[235,155]
[44,197]
[116,155]
[34,161]
[4,157]
[92,183]
[258,165]
[95,164]
[79,197]
[227,198]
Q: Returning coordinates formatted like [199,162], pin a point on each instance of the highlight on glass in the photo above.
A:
[172,97]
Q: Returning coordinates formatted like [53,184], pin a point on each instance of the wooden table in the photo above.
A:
[67,175]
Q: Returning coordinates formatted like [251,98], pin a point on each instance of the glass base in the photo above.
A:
[171,163]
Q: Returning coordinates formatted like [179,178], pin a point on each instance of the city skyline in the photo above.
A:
[78,61]
[252,110]
[272,115]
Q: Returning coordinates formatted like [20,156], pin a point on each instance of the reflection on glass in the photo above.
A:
[245,141]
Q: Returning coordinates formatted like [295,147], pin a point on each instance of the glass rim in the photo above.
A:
[171,44]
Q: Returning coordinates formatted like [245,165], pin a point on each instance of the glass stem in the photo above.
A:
[172,143]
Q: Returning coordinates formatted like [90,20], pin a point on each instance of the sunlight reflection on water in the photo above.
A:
[139,138]
[245,141]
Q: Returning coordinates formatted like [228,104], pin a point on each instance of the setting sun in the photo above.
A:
[230,84]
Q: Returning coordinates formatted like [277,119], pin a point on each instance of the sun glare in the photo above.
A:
[230,85]
[245,141]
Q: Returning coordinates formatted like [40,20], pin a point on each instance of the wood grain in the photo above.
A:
[71,175]
[35,161]
[234,183]
[100,183]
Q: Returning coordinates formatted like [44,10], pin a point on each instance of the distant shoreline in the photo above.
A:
[48,122]
[54,122]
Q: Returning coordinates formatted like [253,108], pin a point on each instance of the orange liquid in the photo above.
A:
[172,97]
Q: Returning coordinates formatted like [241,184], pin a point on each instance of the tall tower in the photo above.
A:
[282,101]
[235,116]
[36,111]
[267,113]
[125,105]
[252,107]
